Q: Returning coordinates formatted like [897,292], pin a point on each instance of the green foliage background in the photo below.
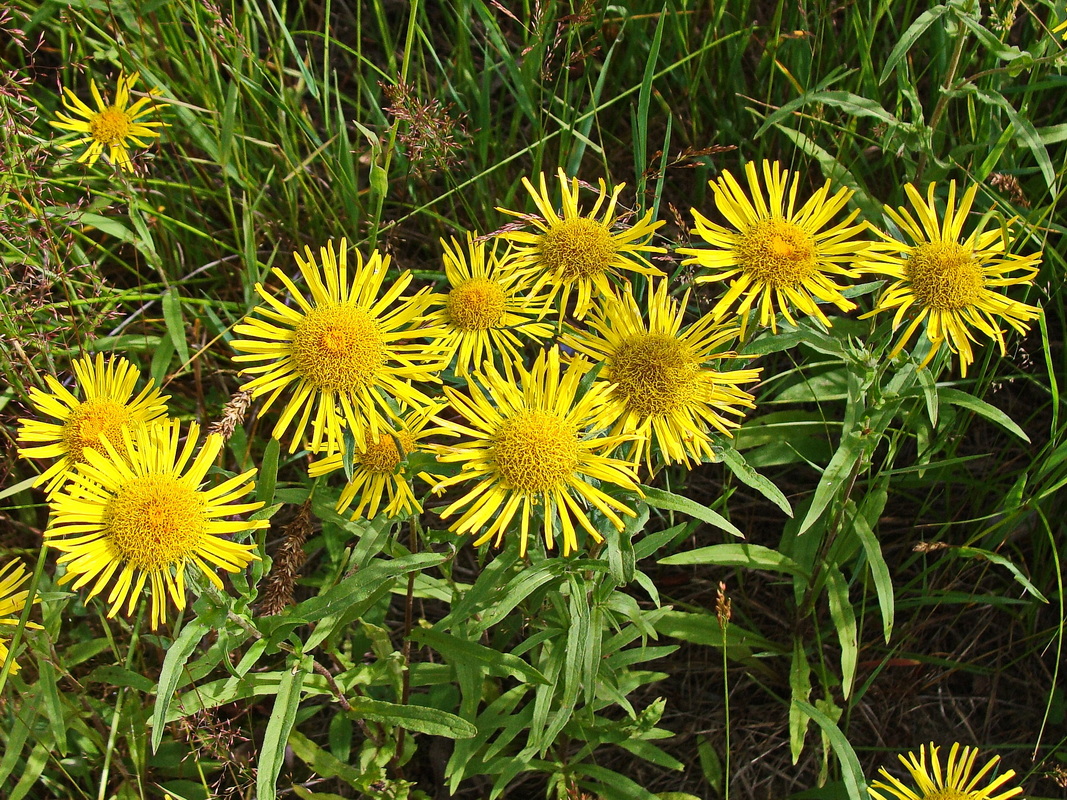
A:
[411,661]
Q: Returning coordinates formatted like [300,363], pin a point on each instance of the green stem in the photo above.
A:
[16,638]
[101,793]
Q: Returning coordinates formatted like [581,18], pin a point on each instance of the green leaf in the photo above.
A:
[851,772]
[323,763]
[177,656]
[430,721]
[280,724]
[172,317]
[908,38]
[844,619]
[974,552]
[983,409]
[461,650]
[268,472]
[748,476]
[883,583]
[31,771]
[800,686]
[753,556]
[852,104]
[833,478]
[668,501]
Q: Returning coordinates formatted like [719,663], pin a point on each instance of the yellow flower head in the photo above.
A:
[528,452]
[381,471]
[950,282]
[485,313]
[954,783]
[110,126]
[571,252]
[84,424]
[1061,29]
[662,387]
[12,601]
[336,353]
[776,256]
[140,515]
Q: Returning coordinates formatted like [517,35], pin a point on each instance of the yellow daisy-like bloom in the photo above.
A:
[485,313]
[381,471]
[955,783]
[12,601]
[662,388]
[527,448]
[572,252]
[950,282]
[84,424]
[140,515]
[336,353]
[110,126]
[774,254]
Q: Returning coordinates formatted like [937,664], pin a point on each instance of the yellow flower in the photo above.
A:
[140,514]
[83,424]
[110,126]
[528,453]
[774,254]
[580,253]
[339,351]
[12,601]
[951,282]
[1061,29]
[381,469]
[485,313]
[662,388]
[955,783]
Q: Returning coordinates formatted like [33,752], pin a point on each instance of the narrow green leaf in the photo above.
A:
[833,478]
[172,317]
[996,558]
[1026,132]
[280,724]
[852,104]
[53,709]
[753,556]
[668,501]
[460,650]
[430,721]
[983,409]
[800,686]
[748,476]
[267,479]
[177,656]
[31,771]
[323,763]
[851,772]
[883,583]
[908,38]
[844,619]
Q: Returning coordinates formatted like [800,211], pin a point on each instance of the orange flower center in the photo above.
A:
[777,253]
[577,248]
[110,126]
[91,421]
[154,521]
[476,304]
[383,455]
[655,373]
[536,451]
[337,348]
[944,276]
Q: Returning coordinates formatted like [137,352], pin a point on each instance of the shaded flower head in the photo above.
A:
[662,387]
[140,515]
[572,252]
[950,282]
[110,126]
[341,353]
[12,601]
[775,256]
[955,782]
[82,425]
[381,471]
[487,309]
[527,451]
